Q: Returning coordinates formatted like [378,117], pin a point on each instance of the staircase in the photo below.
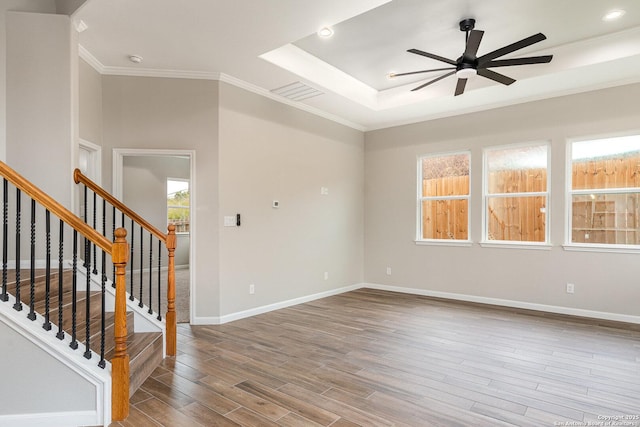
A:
[78,310]
[145,348]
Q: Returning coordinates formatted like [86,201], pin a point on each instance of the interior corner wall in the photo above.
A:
[164,113]
[42,6]
[41,100]
[270,151]
[604,282]
[90,95]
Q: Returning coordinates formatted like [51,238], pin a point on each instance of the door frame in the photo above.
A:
[118,160]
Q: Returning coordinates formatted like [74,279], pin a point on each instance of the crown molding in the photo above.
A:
[90,59]
[206,75]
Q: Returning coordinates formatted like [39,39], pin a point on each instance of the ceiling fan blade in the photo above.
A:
[433,81]
[518,61]
[497,77]
[432,56]
[421,71]
[511,48]
[460,86]
[473,43]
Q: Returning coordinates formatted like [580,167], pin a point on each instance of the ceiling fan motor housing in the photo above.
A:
[467,24]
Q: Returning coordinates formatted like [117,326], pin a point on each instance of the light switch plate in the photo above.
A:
[229,221]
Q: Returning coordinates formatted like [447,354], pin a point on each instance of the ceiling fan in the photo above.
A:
[468,65]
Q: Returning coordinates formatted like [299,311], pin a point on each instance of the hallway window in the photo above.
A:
[178,204]
[443,197]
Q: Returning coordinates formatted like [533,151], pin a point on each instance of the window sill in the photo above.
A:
[517,245]
[620,249]
[459,243]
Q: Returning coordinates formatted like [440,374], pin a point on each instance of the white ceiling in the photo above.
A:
[266,44]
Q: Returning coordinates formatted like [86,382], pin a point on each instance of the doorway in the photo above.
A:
[143,180]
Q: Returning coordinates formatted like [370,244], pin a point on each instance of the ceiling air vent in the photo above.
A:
[297,91]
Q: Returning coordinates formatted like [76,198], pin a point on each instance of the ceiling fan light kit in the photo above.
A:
[468,64]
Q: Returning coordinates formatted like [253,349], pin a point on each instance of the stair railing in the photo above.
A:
[118,250]
[148,262]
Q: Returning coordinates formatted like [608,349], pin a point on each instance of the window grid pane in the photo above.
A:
[519,219]
[517,170]
[445,175]
[445,219]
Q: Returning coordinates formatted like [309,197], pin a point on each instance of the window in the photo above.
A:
[443,197]
[516,194]
[604,191]
[178,208]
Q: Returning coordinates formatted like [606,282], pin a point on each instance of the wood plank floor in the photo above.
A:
[375,358]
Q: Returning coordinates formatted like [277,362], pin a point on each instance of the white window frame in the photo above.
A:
[444,242]
[569,193]
[167,193]
[485,242]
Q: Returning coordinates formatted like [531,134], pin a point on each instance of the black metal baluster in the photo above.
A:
[102,363]
[5,229]
[104,230]
[47,280]
[86,220]
[159,278]
[32,264]
[113,237]
[93,245]
[150,272]
[131,261]
[140,304]
[60,334]
[74,290]
[87,306]
[18,303]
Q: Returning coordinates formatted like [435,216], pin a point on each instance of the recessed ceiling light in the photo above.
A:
[612,15]
[325,32]
[135,58]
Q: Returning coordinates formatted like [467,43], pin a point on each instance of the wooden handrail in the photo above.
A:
[54,207]
[78,178]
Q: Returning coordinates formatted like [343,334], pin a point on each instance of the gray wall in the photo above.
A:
[159,113]
[43,6]
[27,369]
[42,100]
[144,186]
[604,281]
[270,151]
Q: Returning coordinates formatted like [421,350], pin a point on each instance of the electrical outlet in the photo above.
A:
[252,289]
[388,271]
[570,288]
[326,275]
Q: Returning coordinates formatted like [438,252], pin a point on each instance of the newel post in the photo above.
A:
[120,360]
[171,292]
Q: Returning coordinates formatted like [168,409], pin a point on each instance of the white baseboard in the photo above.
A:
[53,419]
[616,317]
[219,320]
[578,312]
